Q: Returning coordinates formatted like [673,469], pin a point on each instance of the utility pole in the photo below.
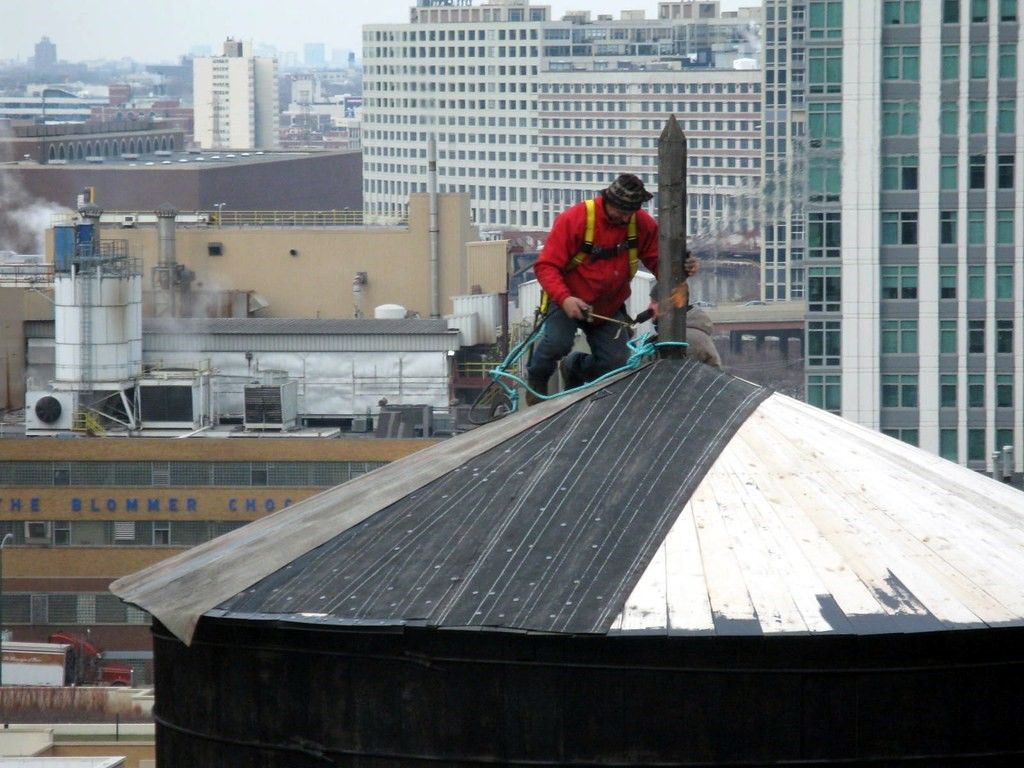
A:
[673,293]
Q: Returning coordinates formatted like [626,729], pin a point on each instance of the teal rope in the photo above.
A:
[641,350]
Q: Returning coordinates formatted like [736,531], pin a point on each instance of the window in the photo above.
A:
[899,227]
[824,70]
[161,533]
[899,118]
[976,390]
[976,172]
[1004,227]
[824,289]
[1006,116]
[947,281]
[975,227]
[975,444]
[949,117]
[1004,337]
[823,236]
[947,336]
[899,282]
[947,390]
[824,124]
[823,343]
[1004,438]
[1007,10]
[947,173]
[976,336]
[1004,172]
[1007,61]
[899,336]
[1004,281]
[899,390]
[825,19]
[824,392]
[951,62]
[901,62]
[899,172]
[977,114]
[976,281]
[947,227]
[903,434]
[823,180]
[1004,390]
[978,67]
[902,11]
[979,11]
[948,448]
[950,11]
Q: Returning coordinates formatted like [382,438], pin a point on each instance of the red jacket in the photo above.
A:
[603,282]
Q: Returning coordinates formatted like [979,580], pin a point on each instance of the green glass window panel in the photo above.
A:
[976,390]
[890,174]
[1004,337]
[908,337]
[948,445]
[947,227]
[977,116]
[979,61]
[890,336]
[1004,281]
[890,283]
[947,282]
[975,444]
[979,11]
[1004,390]
[891,62]
[950,11]
[911,12]
[976,336]
[1004,437]
[1004,227]
[890,228]
[890,391]
[947,336]
[950,62]
[947,173]
[891,118]
[947,390]
[1007,10]
[975,227]
[892,13]
[911,62]
[1007,61]
[910,118]
[908,282]
[908,391]
[948,118]
[976,281]
[1006,117]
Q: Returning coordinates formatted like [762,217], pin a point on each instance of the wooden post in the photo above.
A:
[673,295]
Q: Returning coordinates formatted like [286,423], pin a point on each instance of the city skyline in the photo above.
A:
[155,33]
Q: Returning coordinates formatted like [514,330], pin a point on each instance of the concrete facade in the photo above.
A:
[235,98]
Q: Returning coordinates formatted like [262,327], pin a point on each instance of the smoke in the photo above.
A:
[24,218]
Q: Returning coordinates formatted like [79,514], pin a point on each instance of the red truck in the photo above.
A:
[64,660]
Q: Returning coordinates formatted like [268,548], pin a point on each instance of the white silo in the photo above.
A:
[97,313]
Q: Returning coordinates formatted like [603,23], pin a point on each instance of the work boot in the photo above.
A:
[540,386]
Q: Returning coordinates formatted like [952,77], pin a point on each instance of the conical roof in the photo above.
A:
[676,499]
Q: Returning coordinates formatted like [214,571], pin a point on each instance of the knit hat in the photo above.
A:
[627,192]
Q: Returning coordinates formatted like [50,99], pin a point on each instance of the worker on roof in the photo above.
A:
[588,260]
[700,344]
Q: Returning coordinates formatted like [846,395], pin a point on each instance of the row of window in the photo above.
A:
[121,533]
[824,337]
[182,473]
[69,608]
[901,227]
[899,173]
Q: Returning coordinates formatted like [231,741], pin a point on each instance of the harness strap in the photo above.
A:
[632,242]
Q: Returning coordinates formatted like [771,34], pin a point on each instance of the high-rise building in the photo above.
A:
[315,55]
[532,114]
[236,105]
[46,54]
[905,202]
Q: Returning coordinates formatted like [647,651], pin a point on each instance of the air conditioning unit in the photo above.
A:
[37,531]
[127,222]
[49,410]
[271,406]
[362,424]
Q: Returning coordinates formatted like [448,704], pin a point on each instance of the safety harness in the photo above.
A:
[587,249]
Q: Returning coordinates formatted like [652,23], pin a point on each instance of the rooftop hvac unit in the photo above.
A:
[49,410]
[271,406]
[362,424]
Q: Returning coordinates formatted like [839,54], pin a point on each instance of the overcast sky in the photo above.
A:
[159,30]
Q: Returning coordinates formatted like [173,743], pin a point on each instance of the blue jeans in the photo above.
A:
[607,342]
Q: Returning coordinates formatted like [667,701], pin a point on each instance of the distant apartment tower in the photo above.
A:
[533,114]
[235,95]
[907,208]
[315,55]
[46,54]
